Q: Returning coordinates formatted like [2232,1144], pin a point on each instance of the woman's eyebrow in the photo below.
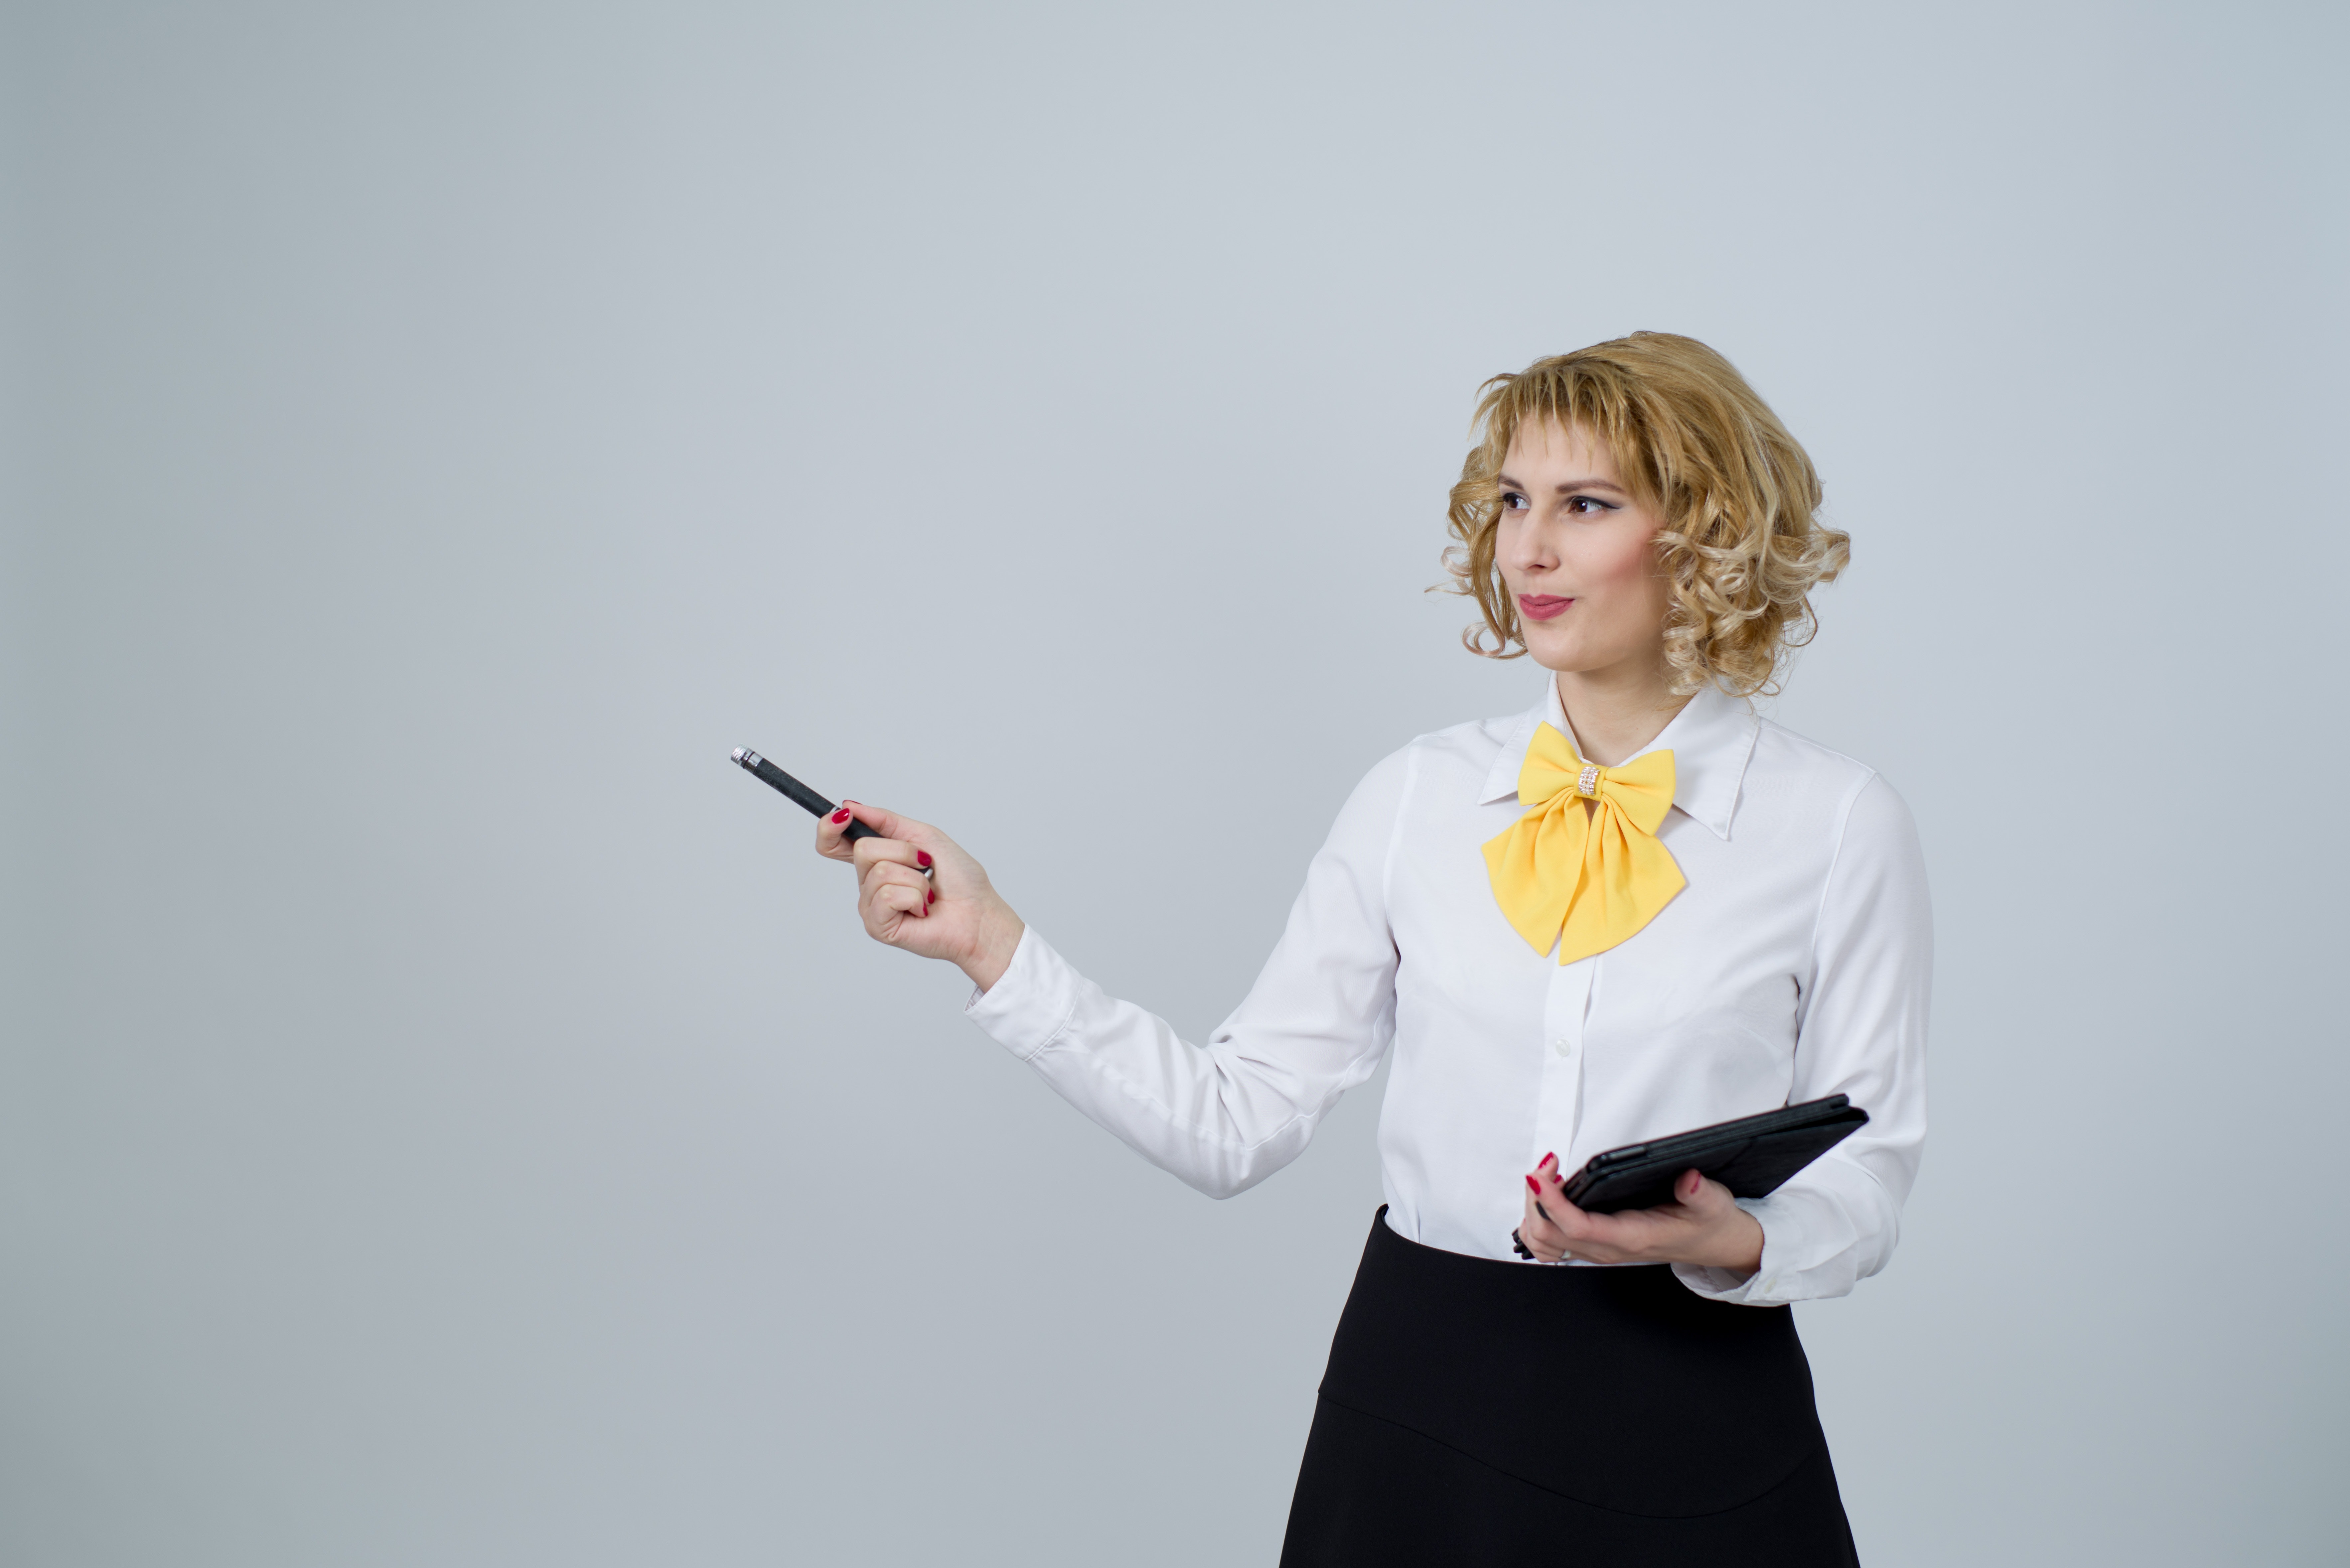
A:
[1505,481]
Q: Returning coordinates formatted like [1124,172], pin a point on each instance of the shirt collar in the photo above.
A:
[1711,738]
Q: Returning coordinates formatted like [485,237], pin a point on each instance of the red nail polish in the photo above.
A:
[934,897]
[1533,1186]
[838,817]
[1548,1159]
[922,857]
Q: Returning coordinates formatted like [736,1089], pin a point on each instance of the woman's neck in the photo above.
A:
[1616,713]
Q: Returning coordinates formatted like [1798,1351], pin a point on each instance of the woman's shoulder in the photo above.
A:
[1778,749]
[1471,744]
[1444,764]
[1793,773]
[1467,749]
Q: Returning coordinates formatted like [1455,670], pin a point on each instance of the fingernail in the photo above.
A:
[1548,1159]
[922,857]
[934,897]
[838,817]
[1533,1186]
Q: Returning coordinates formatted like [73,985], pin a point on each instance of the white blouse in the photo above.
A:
[1796,963]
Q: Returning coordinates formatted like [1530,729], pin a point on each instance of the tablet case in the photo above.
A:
[1751,1156]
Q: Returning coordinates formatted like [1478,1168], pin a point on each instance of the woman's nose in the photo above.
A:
[1525,550]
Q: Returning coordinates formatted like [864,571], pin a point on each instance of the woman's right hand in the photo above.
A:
[952,912]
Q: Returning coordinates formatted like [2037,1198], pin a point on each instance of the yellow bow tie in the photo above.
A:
[1584,867]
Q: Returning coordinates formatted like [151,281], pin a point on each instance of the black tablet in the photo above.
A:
[1751,1156]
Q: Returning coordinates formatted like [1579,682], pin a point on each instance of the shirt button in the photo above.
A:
[1562,1046]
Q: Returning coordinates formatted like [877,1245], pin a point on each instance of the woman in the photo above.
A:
[1634,910]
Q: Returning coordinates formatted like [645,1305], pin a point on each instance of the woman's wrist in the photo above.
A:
[1740,1248]
[996,940]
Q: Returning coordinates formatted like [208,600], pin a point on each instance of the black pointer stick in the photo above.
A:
[775,778]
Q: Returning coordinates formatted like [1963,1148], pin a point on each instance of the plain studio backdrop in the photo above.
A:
[447,1116]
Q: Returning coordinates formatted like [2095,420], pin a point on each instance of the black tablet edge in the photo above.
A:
[1695,1157]
[1704,1139]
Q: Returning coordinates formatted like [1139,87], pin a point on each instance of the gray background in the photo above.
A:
[447,1117]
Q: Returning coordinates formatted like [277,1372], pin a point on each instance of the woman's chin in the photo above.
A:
[1557,654]
[1570,654]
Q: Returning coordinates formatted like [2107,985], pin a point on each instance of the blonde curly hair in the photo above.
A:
[1740,546]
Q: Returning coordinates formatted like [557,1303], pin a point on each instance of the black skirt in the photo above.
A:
[1477,1412]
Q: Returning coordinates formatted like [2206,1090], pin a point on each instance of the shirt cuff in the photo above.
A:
[1031,1002]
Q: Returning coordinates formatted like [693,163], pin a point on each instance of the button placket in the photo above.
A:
[1562,1048]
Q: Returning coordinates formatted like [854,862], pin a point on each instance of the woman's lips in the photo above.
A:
[1542,607]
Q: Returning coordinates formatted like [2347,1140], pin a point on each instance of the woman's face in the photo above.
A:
[1578,554]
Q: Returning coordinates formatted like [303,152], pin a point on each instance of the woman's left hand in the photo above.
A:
[1703,1224]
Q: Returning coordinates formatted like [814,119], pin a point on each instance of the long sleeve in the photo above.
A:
[1226,1115]
[1862,1034]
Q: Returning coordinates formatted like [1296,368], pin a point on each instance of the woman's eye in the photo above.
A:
[1512,502]
[1587,505]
